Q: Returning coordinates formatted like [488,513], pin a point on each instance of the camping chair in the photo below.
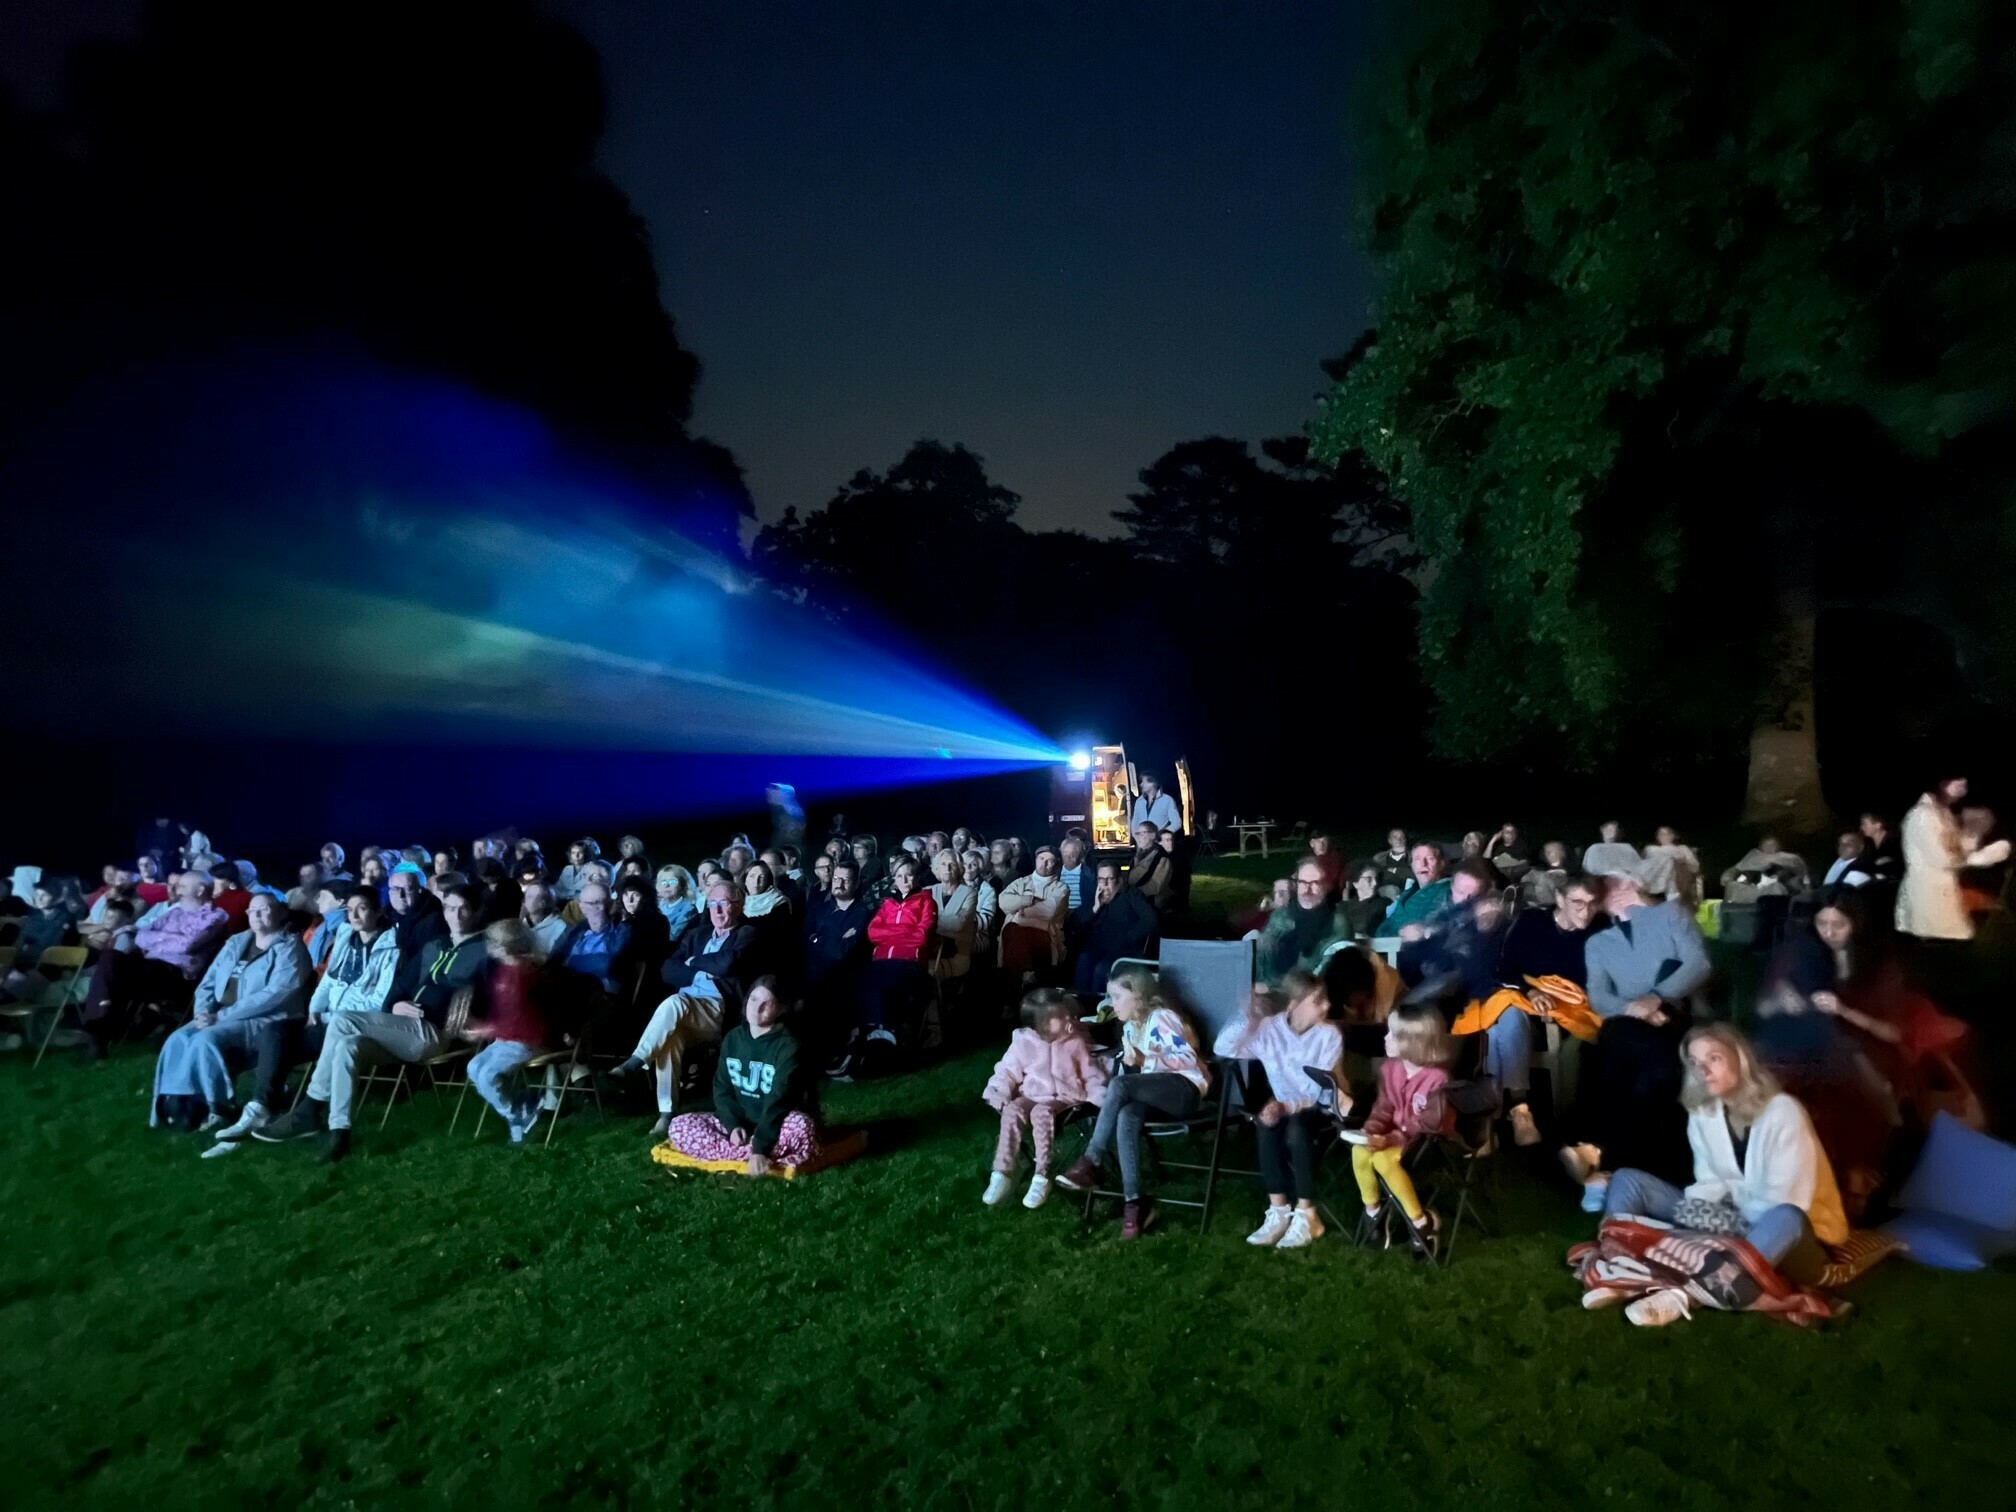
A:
[61,968]
[1445,1166]
[1214,978]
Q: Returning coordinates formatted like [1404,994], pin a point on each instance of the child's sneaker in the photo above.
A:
[1272,1227]
[997,1189]
[1039,1191]
[1659,1309]
[1375,1230]
[1082,1176]
[1134,1219]
[1304,1228]
[1595,1195]
[1424,1239]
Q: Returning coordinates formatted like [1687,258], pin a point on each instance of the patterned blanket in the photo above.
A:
[1633,1256]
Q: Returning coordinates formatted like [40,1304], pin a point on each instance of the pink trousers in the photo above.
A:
[701,1136]
[1041,1117]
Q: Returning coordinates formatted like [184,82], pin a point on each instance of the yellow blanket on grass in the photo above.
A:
[834,1151]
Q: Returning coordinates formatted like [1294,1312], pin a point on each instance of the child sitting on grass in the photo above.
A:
[1049,1068]
[1163,1077]
[1410,1103]
[762,1094]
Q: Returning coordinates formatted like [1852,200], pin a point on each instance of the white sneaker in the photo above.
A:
[211,1120]
[253,1117]
[1273,1226]
[997,1189]
[1524,1130]
[1304,1228]
[1659,1309]
[1038,1193]
[223,1147]
[1581,1161]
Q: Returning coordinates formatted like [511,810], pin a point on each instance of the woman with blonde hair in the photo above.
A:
[675,897]
[958,909]
[1759,1170]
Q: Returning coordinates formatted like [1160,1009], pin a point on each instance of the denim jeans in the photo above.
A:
[1508,1053]
[488,1069]
[1782,1235]
[1130,1102]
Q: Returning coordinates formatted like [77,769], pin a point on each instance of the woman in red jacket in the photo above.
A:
[896,981]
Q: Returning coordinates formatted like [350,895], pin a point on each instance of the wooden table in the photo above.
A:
[1256,830]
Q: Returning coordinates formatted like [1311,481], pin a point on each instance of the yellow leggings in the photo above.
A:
[1375,1166]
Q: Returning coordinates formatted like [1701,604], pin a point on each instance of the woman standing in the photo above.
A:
[1928,904]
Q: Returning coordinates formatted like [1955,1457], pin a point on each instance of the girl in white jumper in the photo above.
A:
[1287,1041]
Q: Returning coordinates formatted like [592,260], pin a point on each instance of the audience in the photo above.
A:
[789,963]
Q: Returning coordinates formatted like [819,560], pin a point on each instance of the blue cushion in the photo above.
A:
[1949,1243]
[1965,1175]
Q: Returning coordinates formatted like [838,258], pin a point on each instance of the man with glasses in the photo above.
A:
[1296,936]
[1544,943]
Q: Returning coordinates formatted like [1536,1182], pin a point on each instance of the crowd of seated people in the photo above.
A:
[863,955]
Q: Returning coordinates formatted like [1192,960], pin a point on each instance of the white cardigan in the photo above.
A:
[1782,1163]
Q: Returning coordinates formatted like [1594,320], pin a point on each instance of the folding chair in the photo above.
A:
[451,1051]
[1444,1163]
[1214,978]
[61,968]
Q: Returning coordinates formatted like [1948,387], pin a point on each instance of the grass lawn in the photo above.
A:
[455,1322]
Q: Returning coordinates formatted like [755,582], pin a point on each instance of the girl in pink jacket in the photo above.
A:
[1049,1067]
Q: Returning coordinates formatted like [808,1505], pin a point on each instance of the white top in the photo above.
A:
[1783,1163]
[1162,813]
[1283,1053]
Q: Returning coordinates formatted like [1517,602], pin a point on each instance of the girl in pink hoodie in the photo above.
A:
[1049,1067]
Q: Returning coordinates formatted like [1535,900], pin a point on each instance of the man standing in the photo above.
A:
[1153,806]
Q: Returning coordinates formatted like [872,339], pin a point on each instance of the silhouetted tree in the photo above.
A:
[1665,288]
[416,176]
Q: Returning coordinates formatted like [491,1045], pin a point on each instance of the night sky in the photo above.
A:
[1067,235]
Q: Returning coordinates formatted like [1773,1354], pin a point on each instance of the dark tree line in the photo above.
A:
[1249,593]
